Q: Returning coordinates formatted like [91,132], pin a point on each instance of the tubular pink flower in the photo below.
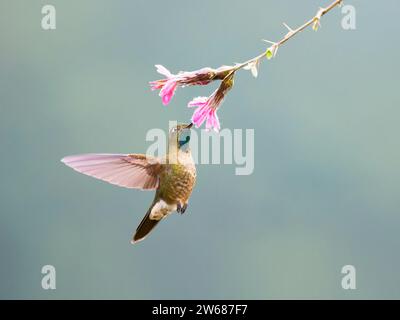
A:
[168,85]
[206,111]
[207,107]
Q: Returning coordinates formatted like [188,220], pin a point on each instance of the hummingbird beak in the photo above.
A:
[189,125]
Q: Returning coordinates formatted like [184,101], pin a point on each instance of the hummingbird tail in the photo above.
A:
[145,227]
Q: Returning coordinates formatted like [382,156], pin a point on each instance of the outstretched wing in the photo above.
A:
[125,170]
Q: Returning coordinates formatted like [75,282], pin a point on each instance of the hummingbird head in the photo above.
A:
[180,136]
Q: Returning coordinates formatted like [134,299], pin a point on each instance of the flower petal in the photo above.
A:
[216,124]
[163,70]
[197,102]
[210,120]
[200,115]
[168,91]
[158,84]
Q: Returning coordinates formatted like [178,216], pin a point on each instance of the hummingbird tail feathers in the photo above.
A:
[145,227]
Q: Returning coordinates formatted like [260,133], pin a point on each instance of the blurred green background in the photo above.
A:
[325,189]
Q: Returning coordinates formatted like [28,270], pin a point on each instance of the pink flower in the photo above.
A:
[168,91]
[168,85]
[207,106]
[205,111]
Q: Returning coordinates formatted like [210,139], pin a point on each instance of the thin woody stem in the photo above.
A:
[321,12]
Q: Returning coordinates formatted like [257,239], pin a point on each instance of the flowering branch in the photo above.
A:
[207,106]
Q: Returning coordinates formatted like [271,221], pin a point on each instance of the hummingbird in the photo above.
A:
[172,176]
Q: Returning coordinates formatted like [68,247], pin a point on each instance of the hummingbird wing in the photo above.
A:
[136,171]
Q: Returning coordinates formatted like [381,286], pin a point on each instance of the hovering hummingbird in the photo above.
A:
[172,176]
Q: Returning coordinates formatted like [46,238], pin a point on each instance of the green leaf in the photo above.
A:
[269,54]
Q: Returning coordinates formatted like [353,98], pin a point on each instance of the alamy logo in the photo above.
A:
[226,147]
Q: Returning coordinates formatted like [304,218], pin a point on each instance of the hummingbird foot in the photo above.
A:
[181,208]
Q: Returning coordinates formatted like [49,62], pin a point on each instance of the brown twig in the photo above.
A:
[272,50]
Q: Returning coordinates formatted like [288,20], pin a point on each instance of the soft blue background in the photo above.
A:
[324,193]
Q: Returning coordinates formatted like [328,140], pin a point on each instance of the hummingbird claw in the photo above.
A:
[181,208]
